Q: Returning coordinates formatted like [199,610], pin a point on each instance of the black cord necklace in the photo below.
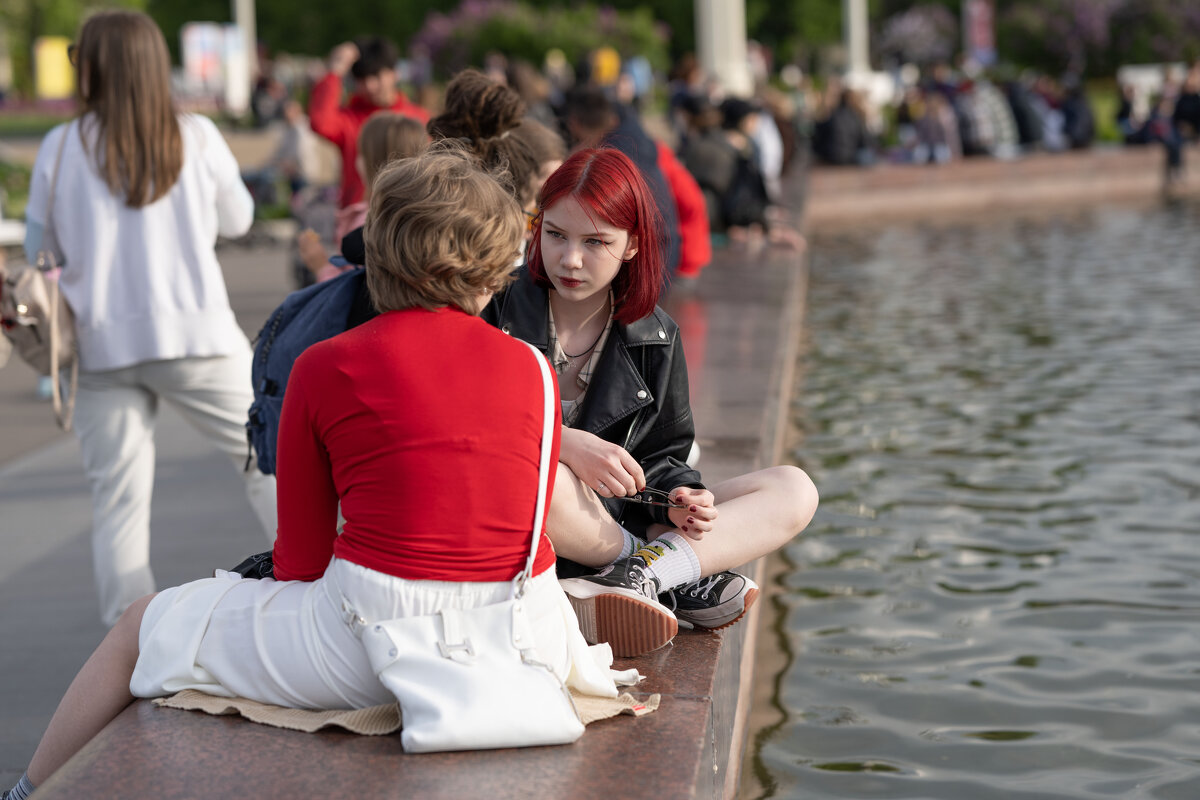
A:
[592,346]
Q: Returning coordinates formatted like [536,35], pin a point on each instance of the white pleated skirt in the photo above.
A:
[288,643]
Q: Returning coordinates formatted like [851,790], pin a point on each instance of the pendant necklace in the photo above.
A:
[571,358]
[592,346]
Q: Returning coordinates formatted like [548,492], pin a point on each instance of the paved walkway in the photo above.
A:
[49,622]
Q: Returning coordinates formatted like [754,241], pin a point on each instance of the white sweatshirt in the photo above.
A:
[144,283]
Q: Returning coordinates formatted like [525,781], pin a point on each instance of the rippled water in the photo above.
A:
[1000,595]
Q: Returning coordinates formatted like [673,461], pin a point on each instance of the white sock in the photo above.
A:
[671,559]
[630,546]
[22,790]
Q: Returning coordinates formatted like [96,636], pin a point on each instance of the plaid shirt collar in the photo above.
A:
[560,361]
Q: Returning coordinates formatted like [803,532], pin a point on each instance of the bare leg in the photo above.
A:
[97,695]
[757,514]
[579,525]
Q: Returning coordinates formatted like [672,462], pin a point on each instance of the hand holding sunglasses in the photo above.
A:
[651,497]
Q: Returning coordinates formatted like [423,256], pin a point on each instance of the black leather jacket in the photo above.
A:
[638,396]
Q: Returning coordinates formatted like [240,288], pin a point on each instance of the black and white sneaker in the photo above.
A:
[620,606]
[714,602]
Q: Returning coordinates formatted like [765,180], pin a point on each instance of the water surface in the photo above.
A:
[1000,594]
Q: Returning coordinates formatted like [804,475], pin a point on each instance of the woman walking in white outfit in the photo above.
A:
[140,195]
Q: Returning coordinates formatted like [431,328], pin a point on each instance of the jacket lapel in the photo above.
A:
[525,315]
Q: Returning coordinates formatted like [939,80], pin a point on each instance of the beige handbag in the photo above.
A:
[34,316]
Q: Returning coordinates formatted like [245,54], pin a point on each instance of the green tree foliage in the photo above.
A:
[307,27]
[1095,37]
[25,20]
[1047,34]
[793,28]
[521,31]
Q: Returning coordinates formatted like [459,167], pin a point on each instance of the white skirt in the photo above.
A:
[287,642]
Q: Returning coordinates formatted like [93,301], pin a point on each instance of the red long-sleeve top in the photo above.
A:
[341,124]
[426,426]
[696,243]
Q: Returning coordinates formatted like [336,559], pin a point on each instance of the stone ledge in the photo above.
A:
[853,196]
[739,324]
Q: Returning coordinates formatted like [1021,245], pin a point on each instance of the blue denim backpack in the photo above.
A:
[305,317]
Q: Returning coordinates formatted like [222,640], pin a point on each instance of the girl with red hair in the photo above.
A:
[626,500]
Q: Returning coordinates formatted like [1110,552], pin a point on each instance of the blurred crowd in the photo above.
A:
[1169,116]
[716,162]
[717,159]
[942,114]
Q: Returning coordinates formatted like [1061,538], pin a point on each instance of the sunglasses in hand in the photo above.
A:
[652,497]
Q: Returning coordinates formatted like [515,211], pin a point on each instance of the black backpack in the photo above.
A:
[305,317]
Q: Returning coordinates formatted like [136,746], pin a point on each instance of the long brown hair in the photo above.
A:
[123,72]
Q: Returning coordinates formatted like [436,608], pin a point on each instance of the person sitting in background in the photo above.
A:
[593,120]
[744,203]
[1160,127]
[928,127]
[294,161]
[726,166]
[706,154]
[384,138]
[1131,120]
[1079,124]
[372,62]
[1047,101]
[1025,115]
[842,138]
[1186,115]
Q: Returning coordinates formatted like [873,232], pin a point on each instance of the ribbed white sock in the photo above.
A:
[671,560]
[631,544]
[22,790]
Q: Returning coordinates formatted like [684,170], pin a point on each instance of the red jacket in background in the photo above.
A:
[341,124]
[696,248]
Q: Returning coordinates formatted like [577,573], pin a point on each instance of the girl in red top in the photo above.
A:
[424,425]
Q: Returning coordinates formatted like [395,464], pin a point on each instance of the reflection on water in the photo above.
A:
[1000,595]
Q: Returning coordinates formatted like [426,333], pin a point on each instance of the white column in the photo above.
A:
[244,18]
[854,33]
[721,44]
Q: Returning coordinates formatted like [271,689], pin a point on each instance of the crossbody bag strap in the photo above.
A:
[48,230]
[539,513]
[47,261]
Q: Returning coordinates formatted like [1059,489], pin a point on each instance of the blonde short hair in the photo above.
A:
[441,231]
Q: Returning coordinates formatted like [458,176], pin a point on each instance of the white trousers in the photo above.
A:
[288,643]
[114,420]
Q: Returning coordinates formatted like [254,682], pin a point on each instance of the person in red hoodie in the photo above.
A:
[696,249]
[372,62]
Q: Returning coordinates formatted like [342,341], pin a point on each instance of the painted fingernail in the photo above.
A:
[693,509]
[684,529]
[691,521]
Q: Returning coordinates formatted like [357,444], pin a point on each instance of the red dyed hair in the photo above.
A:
[608,184]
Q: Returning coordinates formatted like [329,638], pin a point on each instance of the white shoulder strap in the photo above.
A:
[539,513]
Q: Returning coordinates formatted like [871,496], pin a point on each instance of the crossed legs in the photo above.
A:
[757,513]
